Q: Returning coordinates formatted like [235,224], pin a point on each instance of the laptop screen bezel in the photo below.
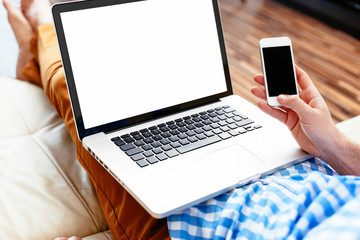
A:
[57,9]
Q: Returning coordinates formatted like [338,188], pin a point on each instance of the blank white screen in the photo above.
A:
[135,58]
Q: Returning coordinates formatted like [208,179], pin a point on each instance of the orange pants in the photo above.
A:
[125,217]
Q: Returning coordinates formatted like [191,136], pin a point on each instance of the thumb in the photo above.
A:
[295,103]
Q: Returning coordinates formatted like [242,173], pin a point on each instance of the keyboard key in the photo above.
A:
[225,135]
[196,119]
[115,139]
[184,142]
[232,126]
[157,150]
[222,123]
[152,160]
[201,136]
[189,121]
[199,130]
[183,129]
[198,144]
[217,131]
[161,125]
[137,157]
[147,147]
[165,141]
[164,129]
[161,156]
[155,131]
[207,122]
[190,127]
[199,124]
[165,135]
[244,122]
[166,147]
[127,146]
[174,132]
[236,113]
[192,139]
[174,139]
[230,120]
[143,130]
[152,128]
[212,115]
[171,153]
[138,137]
[142,163]
[173,126]
[156,144]
[125,136]
[207,128]
[229,109]
[133,151]
[250,129]
[182,136]
[157,138]
[175,144]
[119,142]
[234,133]
[147,134]
[214,120]
[220,112]
[180,124]
[237,118]
[225,128]
[204,117]
[148,140]
[214,125]
[170,123]
[148,154]
[139,143]
[190,133]
[209,134]
[242,131]
[257,126]
[134,133]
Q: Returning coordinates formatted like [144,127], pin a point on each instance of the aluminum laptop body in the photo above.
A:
[135,70]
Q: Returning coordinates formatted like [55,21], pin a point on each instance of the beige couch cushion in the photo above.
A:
[44,192]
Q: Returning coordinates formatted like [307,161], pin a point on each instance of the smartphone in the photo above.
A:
[278,67]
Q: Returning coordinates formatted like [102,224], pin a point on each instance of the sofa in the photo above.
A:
[44,191]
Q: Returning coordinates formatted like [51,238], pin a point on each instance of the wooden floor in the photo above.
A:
[329,56]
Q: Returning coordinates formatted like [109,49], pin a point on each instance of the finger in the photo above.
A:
[258,92]
[295,103]
[273,112]
[259,78]
[303,78]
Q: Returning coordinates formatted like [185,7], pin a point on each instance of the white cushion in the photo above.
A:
[44,191]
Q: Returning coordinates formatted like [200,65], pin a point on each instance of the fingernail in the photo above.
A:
[282,97]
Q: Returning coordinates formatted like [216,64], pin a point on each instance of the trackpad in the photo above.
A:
[232,162]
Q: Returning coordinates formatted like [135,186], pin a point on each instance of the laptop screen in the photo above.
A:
[139,57]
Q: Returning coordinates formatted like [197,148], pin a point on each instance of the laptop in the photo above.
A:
[152,99]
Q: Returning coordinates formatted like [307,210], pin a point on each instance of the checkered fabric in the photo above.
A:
[307,200]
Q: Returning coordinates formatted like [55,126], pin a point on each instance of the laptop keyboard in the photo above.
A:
[167,140]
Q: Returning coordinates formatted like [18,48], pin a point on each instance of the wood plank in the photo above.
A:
[330,56]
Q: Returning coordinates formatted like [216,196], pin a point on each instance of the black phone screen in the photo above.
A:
[279,71]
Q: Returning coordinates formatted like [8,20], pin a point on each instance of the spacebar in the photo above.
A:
[198,144]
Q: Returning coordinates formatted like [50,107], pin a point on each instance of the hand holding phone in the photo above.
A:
[278,68]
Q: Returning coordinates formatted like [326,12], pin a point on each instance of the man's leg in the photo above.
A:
[125,217]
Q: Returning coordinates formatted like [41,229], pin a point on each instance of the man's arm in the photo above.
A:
[309,120]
